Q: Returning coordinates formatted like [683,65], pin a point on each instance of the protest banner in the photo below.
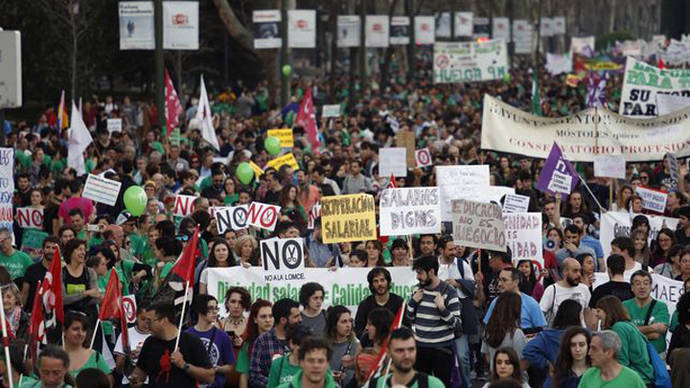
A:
[282,259]
[456,62]
[30,217]
[558,175]
[424,30]
[348,31]
[642,83]
[501,28]
[330,110]
[614,224]
[663,289]
[559,63]
[230,217]
[266,28]
[400,30]
[407,139]
[114,125]
[101,190]
[181,25]
[284,135]
[464,24]
[523,36]
[345,286]
[478,225]
[510,130]
[411,210]
[393,160]
[515,203]
[669,103]
[258,171]
[347,218]
[460,182]
[301,28]
[582,45]
[653,200]
[523,235]
[136,25]
[6,188]
[609,166]
[376,34]
[184,205]
[261,215]
[314,214]
[288,159]
[129,304]
[423,157]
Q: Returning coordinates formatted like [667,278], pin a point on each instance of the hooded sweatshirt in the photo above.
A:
[542,348]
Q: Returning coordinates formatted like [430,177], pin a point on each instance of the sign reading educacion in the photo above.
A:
[348,218]
[478,225]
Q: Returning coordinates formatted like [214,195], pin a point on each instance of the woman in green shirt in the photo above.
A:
[76,342]
[231,197]
[260,321]
[634,355]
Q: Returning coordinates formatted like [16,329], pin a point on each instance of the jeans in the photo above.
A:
[462,349]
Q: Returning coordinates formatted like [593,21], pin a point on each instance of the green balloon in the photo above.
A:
[245,173]
[287,70]
[506,77]
[272,145]
[135,200]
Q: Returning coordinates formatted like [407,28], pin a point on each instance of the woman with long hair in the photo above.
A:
[289,203]
[505,365]
[503,328]
[671,268]
[529,283]
[77,345]
[555,235]
[663,243]
[576,205]
[340,333]
[633,354]
[260,321]
[642,253]
[624,193]
[237,302]
[79,283]
[374,250]
[219,257]
[378,327]
[573,358]
[586,261]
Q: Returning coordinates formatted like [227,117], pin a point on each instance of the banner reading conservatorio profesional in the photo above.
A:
[508,129]
[642,83]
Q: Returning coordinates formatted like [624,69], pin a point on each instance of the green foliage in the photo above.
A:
[610,39]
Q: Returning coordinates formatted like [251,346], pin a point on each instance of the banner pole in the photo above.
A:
[95,330]
[590,191]
[184,305]
[6,341]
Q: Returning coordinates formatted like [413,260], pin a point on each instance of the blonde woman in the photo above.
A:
[244,249]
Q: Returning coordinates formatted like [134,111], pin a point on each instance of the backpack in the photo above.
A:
[661,378]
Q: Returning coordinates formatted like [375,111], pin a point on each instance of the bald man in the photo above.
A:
[567,288]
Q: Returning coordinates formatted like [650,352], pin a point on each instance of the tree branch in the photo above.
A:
[236,30]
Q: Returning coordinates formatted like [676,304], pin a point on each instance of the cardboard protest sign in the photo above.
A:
[478,225]
[458,182]
[230,217]
[30,217]
[515,203]
[313,215]
[653,200]
[393,161]
[114,125]
[261,215]
[348,218]
[456,62]
[423,157]
[609,166]
[614,224]
[407,139]
[284,135]
[288,159]
[129,304]
[641,85]
[282,259]
[410,211]
[558,174]
[184,205]
[6,188]
[101,190]
[330,110]
[523,234]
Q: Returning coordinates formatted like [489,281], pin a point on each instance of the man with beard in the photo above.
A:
[37,271]
[380,285]
[531,317]
[567,288]
[402,351]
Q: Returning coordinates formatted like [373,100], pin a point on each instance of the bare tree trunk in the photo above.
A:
[389,51]
[333,21]
[73,22]
[242,35]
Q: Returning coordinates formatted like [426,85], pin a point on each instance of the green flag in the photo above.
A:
[536,101]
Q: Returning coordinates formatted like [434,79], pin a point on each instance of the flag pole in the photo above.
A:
[184,305]
[5,342]
[95,330]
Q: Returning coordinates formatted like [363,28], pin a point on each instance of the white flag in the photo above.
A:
[79,140]
[203,114]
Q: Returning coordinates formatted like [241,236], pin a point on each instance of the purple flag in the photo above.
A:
[558,174]
[596,90]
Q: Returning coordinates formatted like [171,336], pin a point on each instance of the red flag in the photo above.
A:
[35,331]
[173,108]
[111,307]
[397,322]
[392,184]
[184,266]
[307,119]
[661,64]
[51,289]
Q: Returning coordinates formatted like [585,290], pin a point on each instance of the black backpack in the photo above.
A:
[421,378]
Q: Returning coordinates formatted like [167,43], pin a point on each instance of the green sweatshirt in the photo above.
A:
[634,350]
[297,381]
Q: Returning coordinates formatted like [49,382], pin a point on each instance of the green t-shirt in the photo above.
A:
[139,244]
[95,361]
[674,321]
[634,350]
[434,382]
[16,263]
[281,371]
[124,271]
[242,365]
[628,378]
[232,198]
[659,315]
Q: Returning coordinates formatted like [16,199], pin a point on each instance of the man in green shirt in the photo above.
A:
[402,350]
[16,262]
[284,368]
[314,357]
[606,371]
[655,324]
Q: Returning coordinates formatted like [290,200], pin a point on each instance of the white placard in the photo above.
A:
[349,33]
[10,70]
[136,25]
[262,215]
[515,203]
[393,160]
[266,29]
[458,182]
[614,224]
[442,24]
[559,63]
[314,214]
[423,157]
[414,210]
[478,225]
[558,25]
[184,205]
[424,30]
[114,125]
[464,24]
[523,235]
[181,25]
[669,103]
[230,217]
[6,188]
[377,28]
[331,110]
[501,28]
[129,304]
[400,30]
[456,62]
[642,83]
[653,200]
[578,45]
[282,259]
[523,36]
[609,166]
[302,28]
[30,217]
[546,27]
[101,190]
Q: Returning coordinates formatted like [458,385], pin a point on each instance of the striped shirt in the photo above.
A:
[433,328]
